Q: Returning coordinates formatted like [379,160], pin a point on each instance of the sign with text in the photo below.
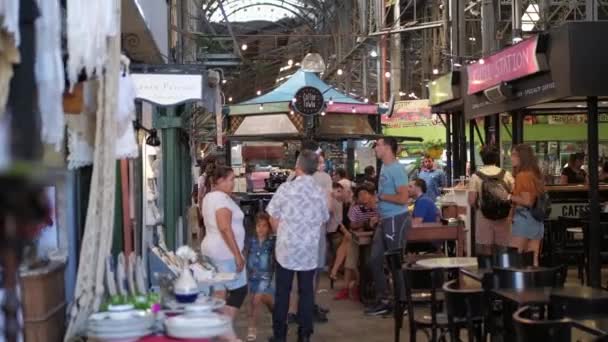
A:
[413,113]
[515,62]
[349,108]
[573,119]
[309,101]
[168,89]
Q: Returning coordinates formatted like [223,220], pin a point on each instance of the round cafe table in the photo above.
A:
[448,262]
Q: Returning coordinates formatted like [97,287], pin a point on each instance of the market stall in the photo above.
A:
[550,74]
[266,132]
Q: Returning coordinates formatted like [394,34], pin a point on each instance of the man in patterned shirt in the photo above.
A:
[298,210]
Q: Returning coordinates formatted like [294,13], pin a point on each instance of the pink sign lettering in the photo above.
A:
[345,108]
[510,64]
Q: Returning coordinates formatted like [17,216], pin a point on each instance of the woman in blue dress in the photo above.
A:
[260,268]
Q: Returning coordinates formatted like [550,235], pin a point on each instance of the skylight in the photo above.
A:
[530,18]
[253,10]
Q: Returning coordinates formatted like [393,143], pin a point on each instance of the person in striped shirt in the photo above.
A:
[362,215]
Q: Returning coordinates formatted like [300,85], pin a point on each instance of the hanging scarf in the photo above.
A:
[89,24]
[99,226]
[50,73]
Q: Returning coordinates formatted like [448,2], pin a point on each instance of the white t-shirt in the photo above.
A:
[213,244]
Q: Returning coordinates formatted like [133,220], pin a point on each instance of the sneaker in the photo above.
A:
[342,295]
[379,310]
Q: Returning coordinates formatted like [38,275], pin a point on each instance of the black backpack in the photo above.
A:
[493,200]
[541,208]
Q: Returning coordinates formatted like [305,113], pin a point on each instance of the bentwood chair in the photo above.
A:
[427,281]
[465,309]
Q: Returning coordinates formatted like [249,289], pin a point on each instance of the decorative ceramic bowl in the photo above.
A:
[186,298]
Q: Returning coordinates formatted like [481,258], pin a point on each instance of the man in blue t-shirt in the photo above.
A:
[425,210]
[434,178]
[394,218]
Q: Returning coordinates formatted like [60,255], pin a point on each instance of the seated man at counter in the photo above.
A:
[425,211]
[573,173]
[490,233]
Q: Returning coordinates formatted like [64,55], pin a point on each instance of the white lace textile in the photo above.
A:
[81,130]
[50,73]
[126,144]
[99,225]
[89,24]
[9,10]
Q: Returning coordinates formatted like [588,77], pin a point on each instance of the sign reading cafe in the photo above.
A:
[308,101]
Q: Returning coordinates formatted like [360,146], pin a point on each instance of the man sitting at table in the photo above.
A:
[425,211]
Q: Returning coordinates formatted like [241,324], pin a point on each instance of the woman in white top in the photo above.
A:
[225,235]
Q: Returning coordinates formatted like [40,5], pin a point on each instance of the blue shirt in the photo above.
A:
[392,176]
[425,208]
[435,180]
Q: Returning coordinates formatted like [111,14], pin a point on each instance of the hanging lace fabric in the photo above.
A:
[97,241]
[126,144]
[81,130]
[50,73]
[89,23]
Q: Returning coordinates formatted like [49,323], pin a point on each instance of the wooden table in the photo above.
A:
[428,232]
[424,232]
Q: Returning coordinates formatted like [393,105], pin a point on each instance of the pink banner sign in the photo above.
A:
[345,108]
[509,64]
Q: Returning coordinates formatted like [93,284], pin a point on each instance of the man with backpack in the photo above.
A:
[489,191]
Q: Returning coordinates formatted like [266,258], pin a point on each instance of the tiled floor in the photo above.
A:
[346,322]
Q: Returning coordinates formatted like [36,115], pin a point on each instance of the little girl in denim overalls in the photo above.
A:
[260,268]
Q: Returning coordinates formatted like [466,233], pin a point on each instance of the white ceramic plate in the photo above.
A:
[198,327]
[121,307]
[131,273]
[140,277]
[122,336]
[197,322]
[110,277]
[121,275]
[202,304]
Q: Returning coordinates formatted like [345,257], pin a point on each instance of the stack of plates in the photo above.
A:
[201,305]
[199,326]
[121,326]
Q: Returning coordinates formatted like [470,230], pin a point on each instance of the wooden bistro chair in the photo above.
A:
[465,309]
[427,282]
[529,328]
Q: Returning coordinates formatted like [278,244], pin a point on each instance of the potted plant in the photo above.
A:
[434,148]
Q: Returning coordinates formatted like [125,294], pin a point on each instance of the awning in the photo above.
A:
[137,39]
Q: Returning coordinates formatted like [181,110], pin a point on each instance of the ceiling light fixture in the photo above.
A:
[244,47]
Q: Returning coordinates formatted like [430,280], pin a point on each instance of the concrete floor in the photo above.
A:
[346,322]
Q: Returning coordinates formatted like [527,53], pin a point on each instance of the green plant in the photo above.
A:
[433,144]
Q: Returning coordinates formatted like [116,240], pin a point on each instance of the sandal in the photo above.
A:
[252,334]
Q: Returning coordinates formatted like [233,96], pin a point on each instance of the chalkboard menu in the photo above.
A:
[308,101]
